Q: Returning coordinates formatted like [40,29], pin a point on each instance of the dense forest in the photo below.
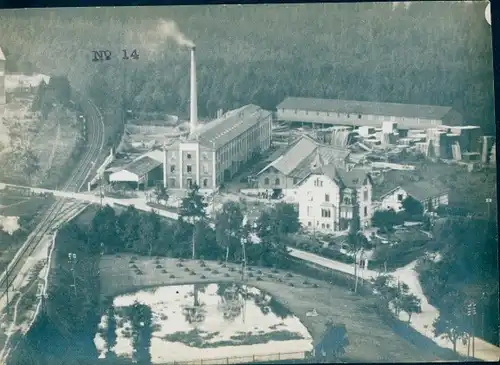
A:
[436,53]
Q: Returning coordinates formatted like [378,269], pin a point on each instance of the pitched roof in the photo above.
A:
[2,56]
[422,190]
[354,178]
[232,124]
[366,108]
[298,159]
[142,165]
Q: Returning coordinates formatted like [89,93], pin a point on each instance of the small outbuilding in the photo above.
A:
[142,173]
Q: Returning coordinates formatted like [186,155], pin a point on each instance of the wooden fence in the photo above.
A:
[244,359]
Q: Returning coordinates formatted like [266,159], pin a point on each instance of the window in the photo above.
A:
[323,225]
[295,111]
[327,197]
[347,200]
[327,226]
[188,156]
[172,168]
[172,157]
[277,181]
[266,181]
[189,182]
[400,197]
[295,180]
[205,168]
[205,183]
[309,196]
[309,211]
[189,168]
[365,211]
[318,182]
[309,224]
[365,195]
[338,115]
[171,183]
[317,113]
[359,116]
[307,113]
[205,156]
[326,213]
[327,114]
[348,115]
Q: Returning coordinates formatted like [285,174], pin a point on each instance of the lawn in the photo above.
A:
[25,206]
[371,338]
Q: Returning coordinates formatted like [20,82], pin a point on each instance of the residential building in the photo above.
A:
[330,196]
[326,112]
[294,165]
[216,151]
[430,195]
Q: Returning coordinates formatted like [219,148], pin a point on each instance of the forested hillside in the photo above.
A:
[431,53]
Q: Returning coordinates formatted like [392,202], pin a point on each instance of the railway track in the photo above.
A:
[95,144]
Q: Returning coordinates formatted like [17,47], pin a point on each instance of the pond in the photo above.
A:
[208,321]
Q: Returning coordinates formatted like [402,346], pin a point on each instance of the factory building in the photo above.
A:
[327,112]
[214,152]
[2,82]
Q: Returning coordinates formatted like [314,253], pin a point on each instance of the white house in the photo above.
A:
[329,197]
[431,195]
[143,171]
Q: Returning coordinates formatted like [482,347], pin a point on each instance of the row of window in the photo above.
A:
[189,182]
[347,200]
[189,156]
[327,213]
[189,168]
[323,225]
[306,112]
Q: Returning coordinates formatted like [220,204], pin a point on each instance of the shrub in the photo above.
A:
[215,272]
[250,275]
[172,276]
[118,255]
[186,269]
[270,276]
[291,284]
[274,271]
[226,275]
[289,275]
[280,280]
[336,255]
[315,285]
[138,272]
[259,278]
[192,273]
[232,269]
[179,264]
[164,271]
[224,265]
[159,266]
[202,263]
[181,260]
[203,277]
[133,266]
[131,261]
[259,271]
[249,268]
[134,258]
[208,269]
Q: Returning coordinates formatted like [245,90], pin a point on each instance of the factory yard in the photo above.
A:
[370,338]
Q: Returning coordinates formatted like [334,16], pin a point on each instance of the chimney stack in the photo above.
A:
[193,122]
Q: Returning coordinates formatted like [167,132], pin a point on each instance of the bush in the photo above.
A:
[179,264]
[133,266]
[186,269]
[203,277]
[138,272]
[259,272]
[399,255]
[226,275]
[291,284]
[336,255]
[172,276]
[250,275]
[208,269]
[315,285]
[215,272]
[274,271]
[259,278]
[164,271]
[192,273]
[306,282]
[289,275]
[232,269]
[159,266]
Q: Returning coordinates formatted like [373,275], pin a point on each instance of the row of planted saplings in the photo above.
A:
[259,275]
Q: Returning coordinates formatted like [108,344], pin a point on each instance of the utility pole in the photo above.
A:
[72,261]
[7,293]
[471,312]
[489,201]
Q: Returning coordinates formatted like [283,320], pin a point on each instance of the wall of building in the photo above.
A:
[206,167]
[173,166]
[311,198]
[393,200]
[268,179]
[333,118]
[433,203]
[364,198]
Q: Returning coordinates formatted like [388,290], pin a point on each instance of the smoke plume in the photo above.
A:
[170,29]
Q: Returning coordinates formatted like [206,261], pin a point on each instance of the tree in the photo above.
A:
[142,322]
[149,227]
[385,219]
[59,86]
[228,226]
[110,334]
[193,209]
[160,193]
[128,227]
[412,206]
[285,219]
[103,229]
[451,322]
[333,344]
[410,303]
[356,243]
